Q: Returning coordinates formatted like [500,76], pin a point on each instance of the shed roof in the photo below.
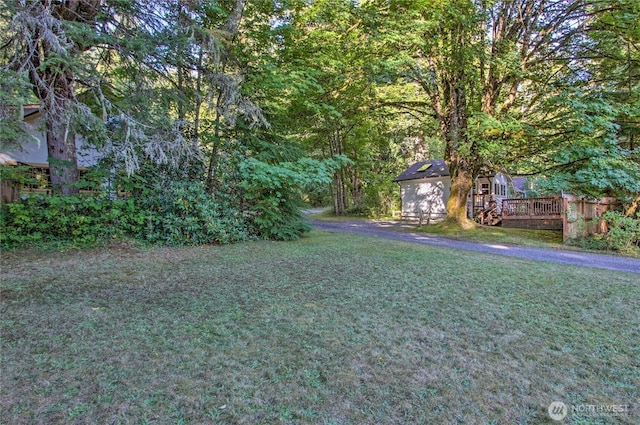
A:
[424,169]
[520,184]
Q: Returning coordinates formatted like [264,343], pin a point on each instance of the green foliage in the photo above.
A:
[624,232]
[183,213]
[359,211]
[274,192]
[589,151]
[173,83]
[381,194]
[18,175]
[623,235]
[14,93]
[180,213]
[72,220]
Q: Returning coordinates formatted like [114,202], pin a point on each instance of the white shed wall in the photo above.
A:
[424,195]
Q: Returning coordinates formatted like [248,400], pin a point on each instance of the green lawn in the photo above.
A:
[537,238]
[484,234]
[551,239]
[331,329]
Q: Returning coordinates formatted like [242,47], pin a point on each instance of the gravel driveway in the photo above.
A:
[388,230]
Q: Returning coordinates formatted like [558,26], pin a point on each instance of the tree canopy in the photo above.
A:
[218,90]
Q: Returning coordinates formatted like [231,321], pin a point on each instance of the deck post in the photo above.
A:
[565,220]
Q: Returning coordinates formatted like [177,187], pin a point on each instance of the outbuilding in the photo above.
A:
[425,188]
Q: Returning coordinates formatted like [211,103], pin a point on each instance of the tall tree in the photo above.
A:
[45,50]
[325,50]
[129,65]
[472,60]
[593,120]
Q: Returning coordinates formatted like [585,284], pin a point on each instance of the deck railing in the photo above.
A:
[532,207]
[481,201]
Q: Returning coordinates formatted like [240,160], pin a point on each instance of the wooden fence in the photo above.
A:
[584,217]
[573,215]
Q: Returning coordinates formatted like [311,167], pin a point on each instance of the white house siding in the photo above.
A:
[33,150]
[426,186]
[500,189]
[426,195]
[496,186]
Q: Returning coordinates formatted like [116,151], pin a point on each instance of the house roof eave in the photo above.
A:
[424,170]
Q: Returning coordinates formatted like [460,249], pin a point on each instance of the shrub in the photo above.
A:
[359,211]
[274,193]
[624,232]
[73,219]
[266,203]
[183,213]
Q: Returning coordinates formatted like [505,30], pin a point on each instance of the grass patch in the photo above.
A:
[478,233]
[330,329]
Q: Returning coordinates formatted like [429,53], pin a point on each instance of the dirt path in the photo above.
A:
[387,229]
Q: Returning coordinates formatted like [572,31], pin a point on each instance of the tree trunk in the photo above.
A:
[339,193]
[462,167]
[461,184]
[198,95]
[63,166]
[356,187]
[233,21]
[53,85]
[231,28]
[338,189]
[212,179]
[61,139]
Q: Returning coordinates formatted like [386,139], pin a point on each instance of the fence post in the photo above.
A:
[565,219]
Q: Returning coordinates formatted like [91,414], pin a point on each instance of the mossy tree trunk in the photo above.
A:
[461,154]
[461,183]
[61,139]
[52,77]
[339,184]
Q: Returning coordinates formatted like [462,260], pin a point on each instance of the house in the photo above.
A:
[425,187]
[520,185]
[33,153]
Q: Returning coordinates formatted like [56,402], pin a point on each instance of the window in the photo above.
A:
[38,179]
[484,189]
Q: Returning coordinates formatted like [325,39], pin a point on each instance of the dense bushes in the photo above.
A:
[264,203]
[183,213]
[274,192]
[623,235]
[79,220]
[624,232]
[180,214]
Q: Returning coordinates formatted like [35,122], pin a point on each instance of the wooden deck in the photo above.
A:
[573,215]
[533,213]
